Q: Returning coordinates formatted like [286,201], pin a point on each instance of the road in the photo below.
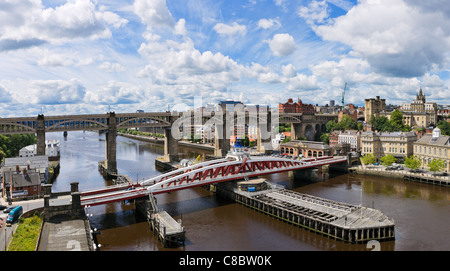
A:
[6,232]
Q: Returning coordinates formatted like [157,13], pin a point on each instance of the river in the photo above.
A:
[421,211]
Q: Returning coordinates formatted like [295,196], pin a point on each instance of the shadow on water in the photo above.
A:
[128,215]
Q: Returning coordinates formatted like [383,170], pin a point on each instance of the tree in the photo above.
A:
[412,162]
[381,123]
[436,165]
[445,127]
[396,121]
[325,138]
[368,159]
[388,160]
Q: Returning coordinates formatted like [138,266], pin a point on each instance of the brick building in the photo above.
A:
[299,107]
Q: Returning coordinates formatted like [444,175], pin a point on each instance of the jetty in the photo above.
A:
[341,221]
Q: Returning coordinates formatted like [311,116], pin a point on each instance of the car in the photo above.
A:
[3,207]
[9,209]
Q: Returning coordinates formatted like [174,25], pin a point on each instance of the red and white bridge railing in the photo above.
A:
[205,173]
[233,170]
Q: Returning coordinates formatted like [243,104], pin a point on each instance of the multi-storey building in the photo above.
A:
[397,144]
[351,137]
[419,113]
[434,146]
[299,107]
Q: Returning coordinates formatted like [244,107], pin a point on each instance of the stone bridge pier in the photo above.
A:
[110,144]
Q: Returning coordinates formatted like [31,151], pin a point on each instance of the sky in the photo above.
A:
[95,56]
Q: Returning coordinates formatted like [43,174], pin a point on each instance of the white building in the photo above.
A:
[351,137]
[276,142]
[51,149]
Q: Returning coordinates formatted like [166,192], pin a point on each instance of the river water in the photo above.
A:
[421,211]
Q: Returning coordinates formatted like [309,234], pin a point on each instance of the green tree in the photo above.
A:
[388,160]
[368,159]
[445,127]
[381,123]
[325,138]
[396,121]
[436,165]
[412,162]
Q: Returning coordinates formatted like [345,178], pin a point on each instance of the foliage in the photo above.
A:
[11,144]
[26,235]
[325,138]
[368,159]
[287,139]
[412,162]
[388,160]
[436,165]
[346,123]
[135,132]
[383,124]
[445,127]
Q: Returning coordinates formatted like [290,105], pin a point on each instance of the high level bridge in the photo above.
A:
[205,173]
[301,126]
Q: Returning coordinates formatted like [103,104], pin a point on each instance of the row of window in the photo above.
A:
[430,150]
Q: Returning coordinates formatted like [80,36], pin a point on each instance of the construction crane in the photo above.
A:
[343,94]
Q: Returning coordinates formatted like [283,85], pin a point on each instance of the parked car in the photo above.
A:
[3,207]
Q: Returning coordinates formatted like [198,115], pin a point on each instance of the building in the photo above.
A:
[397,144]
[420,113]
[373,107]
[52,150]
[38,163]
[276,142]
[351,137]
[299,107]
[25,184]
[306,149]
[433,146]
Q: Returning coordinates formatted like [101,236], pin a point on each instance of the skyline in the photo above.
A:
[84,56]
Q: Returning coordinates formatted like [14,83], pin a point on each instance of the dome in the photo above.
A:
[436,132]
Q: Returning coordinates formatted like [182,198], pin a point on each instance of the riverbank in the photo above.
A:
[423,177]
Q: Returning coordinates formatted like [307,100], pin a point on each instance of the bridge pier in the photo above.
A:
[222,137]
[263,141]
[110,144]
[170,146]
[40,133]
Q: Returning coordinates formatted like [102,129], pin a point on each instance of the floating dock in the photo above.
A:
[337,220]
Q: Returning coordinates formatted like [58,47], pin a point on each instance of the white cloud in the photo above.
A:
[27,23]
[180,27]
[230,30]
[282,45]
[268,23]
[315,12]
[396,39]
[154,13]
[40,92]
[112,67]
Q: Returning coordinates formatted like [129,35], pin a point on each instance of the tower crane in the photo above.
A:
[343,94]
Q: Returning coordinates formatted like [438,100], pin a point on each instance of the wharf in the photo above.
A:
[169,231]
[341,221]
[402,174]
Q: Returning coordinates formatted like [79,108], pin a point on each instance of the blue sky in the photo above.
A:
[87,56]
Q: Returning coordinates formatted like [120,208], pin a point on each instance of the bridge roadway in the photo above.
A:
[205,173]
